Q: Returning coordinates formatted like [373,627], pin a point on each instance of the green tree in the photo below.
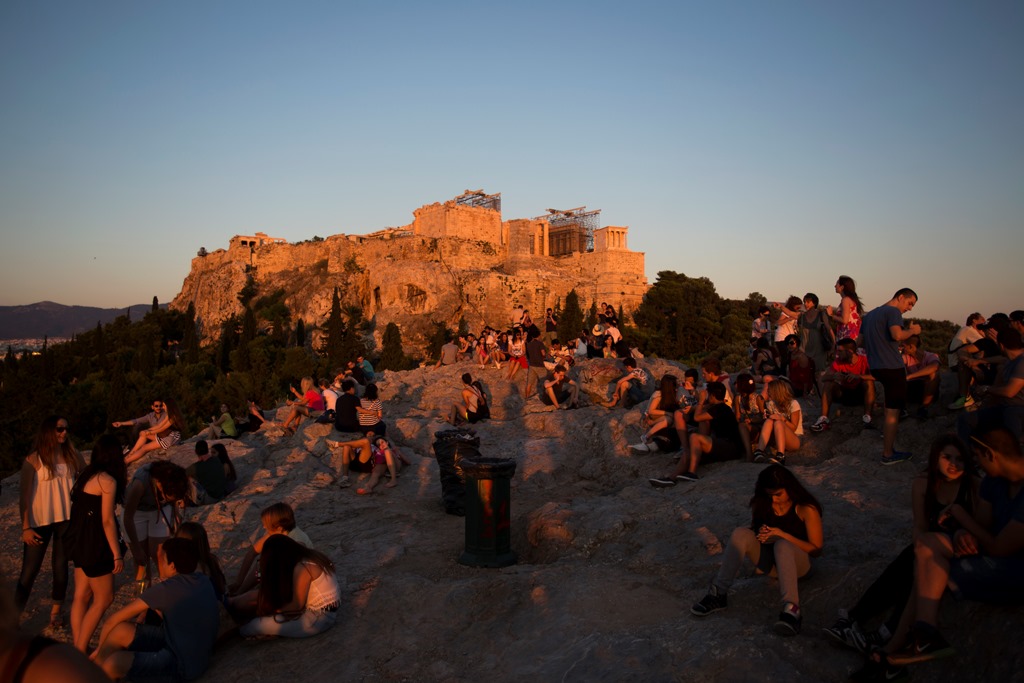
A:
[300,333]
[571,321]
[156,305]
[392,357]
[248,291]
[333,346]
[190,340]
[592,315]
[440,335]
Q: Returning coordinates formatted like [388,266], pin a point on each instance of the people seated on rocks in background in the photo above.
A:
[802,372]
[785,325]
[817,339]
[630,387]
[465,348]
[978,362]
[536,355]
[449,353]
[849,381]
[582,348]
[180,647]
[610,316]
[473,407]
[922,375]
[847,318]
[516,354]
[278,518]
[306,403]
[765,361]
[503,341]
[1003,403]
[162,435]
[723,442]
[372,454]
[482,348]
[298,596]
[151,503]
[660,413]
[371,412]
[984,560]
[150,419]
[748,406]
[330,394]
[207,473]
[946,481]
[230,475]
[255,418]
[965,336]
[783,424]
[785,533]
[560,391]
[208,563]
[671,431]
[346,415]
[711,369]
[762,325]
[608,347]
[367,368]
[355,371]
[561,355]
[223,426]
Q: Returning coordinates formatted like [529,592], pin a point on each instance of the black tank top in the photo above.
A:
[789,522]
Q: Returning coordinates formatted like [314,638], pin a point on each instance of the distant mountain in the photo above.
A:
[48,319]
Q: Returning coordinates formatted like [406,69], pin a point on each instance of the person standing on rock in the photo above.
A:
[536,354]
[550,326]
[883,330]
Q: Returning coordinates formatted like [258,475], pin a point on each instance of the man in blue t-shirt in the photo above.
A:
[882,330]
[181,645]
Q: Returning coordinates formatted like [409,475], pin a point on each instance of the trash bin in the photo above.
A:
[488,512]
[451,448]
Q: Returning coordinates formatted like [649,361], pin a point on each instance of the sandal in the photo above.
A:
[57,622]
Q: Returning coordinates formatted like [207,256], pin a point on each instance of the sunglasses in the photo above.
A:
[62,429]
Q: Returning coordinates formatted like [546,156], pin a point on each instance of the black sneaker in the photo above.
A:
[712,602]
[877,672]
[926,644]
[778,459]
[789,620]
[759,456]
[687,476]
[662,482]
[846,632]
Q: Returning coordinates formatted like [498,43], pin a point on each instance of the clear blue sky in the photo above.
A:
[769,146]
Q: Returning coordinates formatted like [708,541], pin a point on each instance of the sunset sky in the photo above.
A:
[769,146]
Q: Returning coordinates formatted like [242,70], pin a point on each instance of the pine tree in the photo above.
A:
[300,333]
[333,347]
[391,356]
[592,315]
[156,305]
[190,339]
[570,321]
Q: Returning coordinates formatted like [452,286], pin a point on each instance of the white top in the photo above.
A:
[323,591]
[51,496]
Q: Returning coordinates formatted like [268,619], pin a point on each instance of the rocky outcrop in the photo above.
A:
[608,566]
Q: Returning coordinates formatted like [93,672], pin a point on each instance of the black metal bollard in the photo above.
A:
[488,512]
[451,448]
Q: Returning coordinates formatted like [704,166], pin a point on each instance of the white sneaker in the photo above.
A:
[820,425]
[866,419]
[641,447]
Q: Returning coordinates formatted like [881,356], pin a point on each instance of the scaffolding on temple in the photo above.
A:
[571,230]
[480,199]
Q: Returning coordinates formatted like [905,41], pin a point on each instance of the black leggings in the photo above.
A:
[32,561]
[891,590]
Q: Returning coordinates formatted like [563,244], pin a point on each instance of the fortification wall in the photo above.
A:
[455,220]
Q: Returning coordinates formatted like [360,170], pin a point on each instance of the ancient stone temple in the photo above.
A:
[457,259]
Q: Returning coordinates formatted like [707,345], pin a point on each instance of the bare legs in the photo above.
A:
[92,598]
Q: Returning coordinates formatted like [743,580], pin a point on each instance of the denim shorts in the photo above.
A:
[153,660]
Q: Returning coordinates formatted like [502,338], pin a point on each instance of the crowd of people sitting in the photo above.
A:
[968,534]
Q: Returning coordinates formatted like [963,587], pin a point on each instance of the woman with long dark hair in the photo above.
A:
[784,533]
[92,541]
[208,562]
[164,434]
[298,595]
[47,477]
[847,316]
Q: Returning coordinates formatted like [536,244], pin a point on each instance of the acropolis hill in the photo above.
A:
[456,259]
